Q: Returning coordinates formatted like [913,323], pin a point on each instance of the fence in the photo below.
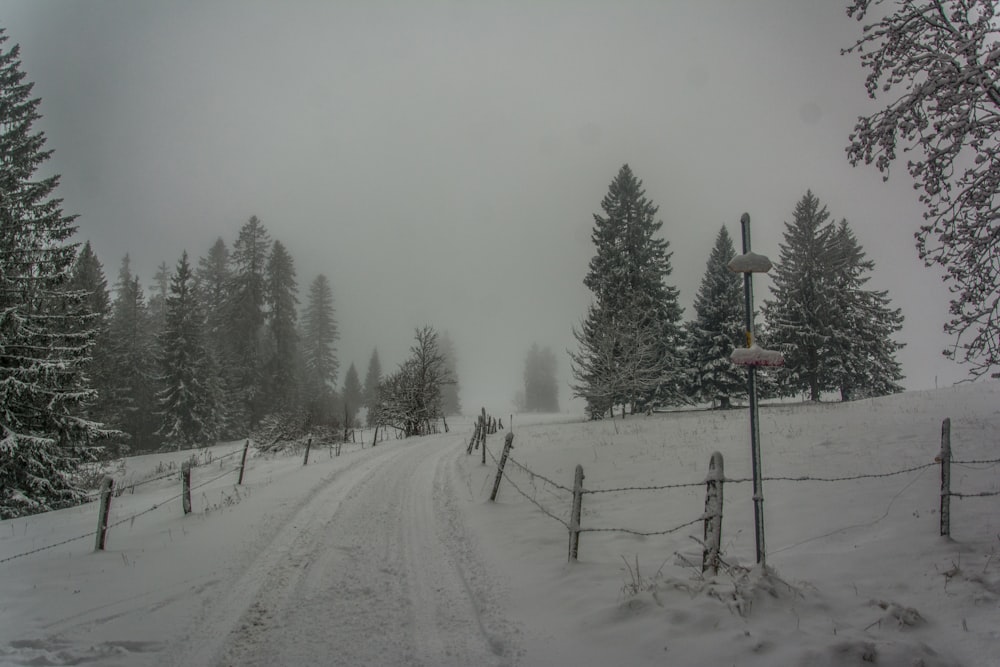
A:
[109,490]
[714,482]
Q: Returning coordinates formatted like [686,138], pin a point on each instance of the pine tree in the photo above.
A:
[46,329]
[627,276]
[282,317]
[800,314]
[159,291]
[450,403]
[352,396]
[246,316]
[131,362]
[836,335]
[214,280]
[319,336]
[88,277]
[862,344]
[191,396]
[717,329]
[373,378]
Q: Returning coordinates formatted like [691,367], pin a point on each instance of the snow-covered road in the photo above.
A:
[372,566]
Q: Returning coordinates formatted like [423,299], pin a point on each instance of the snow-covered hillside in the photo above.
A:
[394,555]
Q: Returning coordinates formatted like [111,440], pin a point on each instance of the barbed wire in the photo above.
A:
[981,494]
[647,488]
[534,502]
[845,478]
[534,474]
[127,519]
[974,461]
[643,533]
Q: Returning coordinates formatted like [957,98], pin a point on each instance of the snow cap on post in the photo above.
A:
[749,262]
[756,356]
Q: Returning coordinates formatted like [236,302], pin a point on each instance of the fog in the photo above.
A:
[441,161]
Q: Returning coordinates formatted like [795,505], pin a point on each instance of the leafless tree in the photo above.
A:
[940,62]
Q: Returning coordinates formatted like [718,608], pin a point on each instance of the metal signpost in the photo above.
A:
[753,356]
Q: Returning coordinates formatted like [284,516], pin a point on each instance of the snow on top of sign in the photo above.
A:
[750,262]
[756,356]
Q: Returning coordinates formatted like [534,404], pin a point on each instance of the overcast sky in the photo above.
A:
[441,161]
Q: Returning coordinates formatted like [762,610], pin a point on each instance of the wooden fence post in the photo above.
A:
[474,439]
[339,445]
[508,444]
[243,463]
[309,444]
[186,487]
[482,437]
[107,487]
[713,515]
[574,519]
[945,458]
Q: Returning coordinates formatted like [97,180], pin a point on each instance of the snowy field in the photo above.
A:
[394,556]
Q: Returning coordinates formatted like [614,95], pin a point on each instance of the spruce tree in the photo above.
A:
[717,329]
[88,277]
[191,396]
[246,317]
[214,279]
[373,377]
[319,337]
[835,334]
[352,396]
[800,314]
[46,329]
[283,335]
[132,363]
[627,276]
[862,346]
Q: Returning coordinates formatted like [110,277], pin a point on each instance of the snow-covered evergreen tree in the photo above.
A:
[246,316]
[88,277]
[835,335]
[627,276]
[373,378]
[800,314]
[46,328]
[214,280]
[282,317]
[862,345]
[319,337]
[191,397]
[352,396]
[131,364]
[717,329]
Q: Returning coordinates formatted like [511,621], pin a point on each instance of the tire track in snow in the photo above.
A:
[275,561]
[385,576]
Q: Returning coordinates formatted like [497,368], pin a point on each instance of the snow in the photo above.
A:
[756,356]
[750,262]
[393,555]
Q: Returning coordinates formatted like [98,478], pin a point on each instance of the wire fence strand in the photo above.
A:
[643,533]
[981,494]
[131,517]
